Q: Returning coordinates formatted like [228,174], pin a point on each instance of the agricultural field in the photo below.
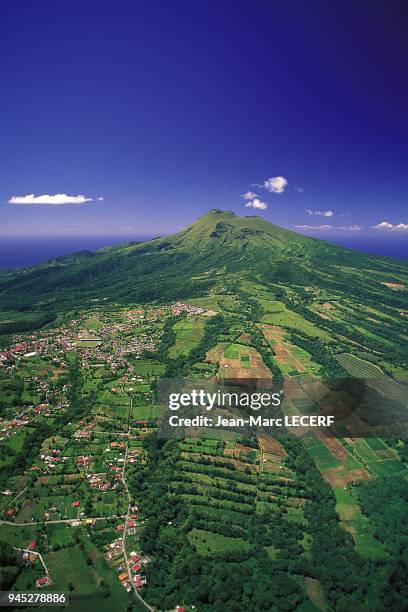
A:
[89,474]
[240,363]
[276,313]
[360,368]
[188,333]
[292,360]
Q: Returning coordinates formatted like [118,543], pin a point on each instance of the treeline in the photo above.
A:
[258,343]
[228,485]
[227,470]
[80,403]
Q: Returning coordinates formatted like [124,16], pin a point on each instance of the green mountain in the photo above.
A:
[212,252]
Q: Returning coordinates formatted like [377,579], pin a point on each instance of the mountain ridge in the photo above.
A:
[187,264]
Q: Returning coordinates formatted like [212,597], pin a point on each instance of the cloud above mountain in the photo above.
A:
[315,227]
[56,199]
[351,228]
[256,203]
[320,213]
[328,227]
[276,184]
[387,226]
[249,195]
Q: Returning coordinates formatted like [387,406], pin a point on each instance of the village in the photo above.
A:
[72,487]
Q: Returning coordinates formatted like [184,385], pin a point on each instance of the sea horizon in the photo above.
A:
[25,251]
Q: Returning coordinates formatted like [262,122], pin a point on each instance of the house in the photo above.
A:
[41,582]
[75,504]
[120,527]
[136,568]
[83,461]
[32,545]
[123,576]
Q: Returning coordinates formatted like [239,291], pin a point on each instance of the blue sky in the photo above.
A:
[168,109]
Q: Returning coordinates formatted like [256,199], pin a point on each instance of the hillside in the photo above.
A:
[299,518]
[189,263]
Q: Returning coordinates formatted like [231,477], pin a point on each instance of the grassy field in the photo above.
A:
[207,543]
[69,567]
[358,525]
[188,333]
[148,367]
[150,411]
[277,314]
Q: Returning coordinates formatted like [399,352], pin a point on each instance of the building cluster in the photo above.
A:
[117,335]
[179,307]
[114,554]
[40,359]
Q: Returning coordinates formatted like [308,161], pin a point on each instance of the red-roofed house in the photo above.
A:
[75,504]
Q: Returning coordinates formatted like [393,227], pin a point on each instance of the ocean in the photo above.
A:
[23,251]
[393,246]
[20,251]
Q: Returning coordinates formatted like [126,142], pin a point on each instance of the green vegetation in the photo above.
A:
[221,519]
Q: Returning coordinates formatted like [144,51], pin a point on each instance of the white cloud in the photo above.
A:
[256,203]
[100,199]
[315,227]
[56,199]
[351,228]
[320,213]
[249,195]
[299,189]
[275,184]
[387,226]
[328,227]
